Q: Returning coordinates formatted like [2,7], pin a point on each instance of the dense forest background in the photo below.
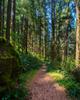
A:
[33,32]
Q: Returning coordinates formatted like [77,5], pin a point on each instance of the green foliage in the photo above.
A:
[25,78]
[50,67]
[71,85]
[29,62]
[9,64]
[30,65]
[76,74]
[19,93]
[68,64]
[65,78]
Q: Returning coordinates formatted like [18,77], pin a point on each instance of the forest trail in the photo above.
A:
[44,88]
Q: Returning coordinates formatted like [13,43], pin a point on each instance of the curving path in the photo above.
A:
[44,88]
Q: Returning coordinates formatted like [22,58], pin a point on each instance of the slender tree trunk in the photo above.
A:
[3,17]
[8,21]
[26,34]
[66,34]
[0,17]
[14,13]
[77,35]
[53,41]
[14,21]
[40,36]
[66,43]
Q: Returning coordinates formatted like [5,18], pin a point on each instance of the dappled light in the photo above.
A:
[56,75]
[45,88]
[39,49]
[58,88]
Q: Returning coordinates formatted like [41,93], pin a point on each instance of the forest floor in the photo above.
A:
[43,87]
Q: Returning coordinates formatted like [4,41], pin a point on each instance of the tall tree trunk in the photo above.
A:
[14,13]
[66,34]
[66,43]
[14,21]
[8,21]
[0,17]
[26,34]
[53,41]
[77,35]
[3,17]
[40,33]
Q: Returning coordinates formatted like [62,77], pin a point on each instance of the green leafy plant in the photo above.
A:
[68,64]
[29,62]
[76,74]
[19,93]
[68,80]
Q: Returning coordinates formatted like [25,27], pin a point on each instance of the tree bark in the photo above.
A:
[8,23]
[53,41]
[77,35]
[3,17]
[26,34]
[0,17]
[14,13]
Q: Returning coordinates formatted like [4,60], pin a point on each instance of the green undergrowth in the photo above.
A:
[11,63]
[21,92]
[26,78]
[9,70]
[65,78]
[29,67]
[30,62]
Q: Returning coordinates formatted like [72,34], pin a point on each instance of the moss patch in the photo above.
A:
[9,63]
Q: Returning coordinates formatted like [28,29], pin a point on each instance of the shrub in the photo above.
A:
[76,74]
[29,62]
[68,64]
[19,93]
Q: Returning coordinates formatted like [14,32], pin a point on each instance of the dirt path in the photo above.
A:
[43,88]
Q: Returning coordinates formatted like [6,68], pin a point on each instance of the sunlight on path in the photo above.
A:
[43,88]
